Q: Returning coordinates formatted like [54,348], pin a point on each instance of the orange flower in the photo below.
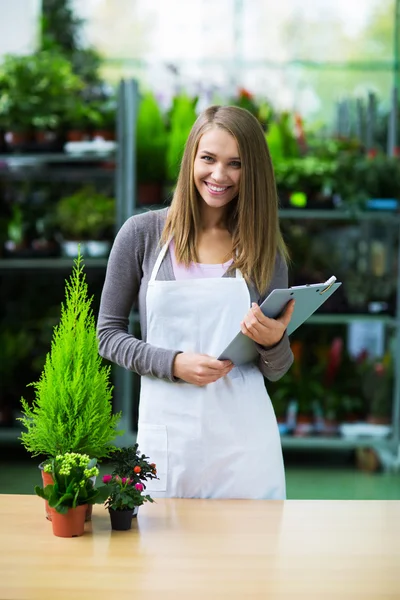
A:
[137,470]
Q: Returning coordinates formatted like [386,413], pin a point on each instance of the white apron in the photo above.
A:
[216,441]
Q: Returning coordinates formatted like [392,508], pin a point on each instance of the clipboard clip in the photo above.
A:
[329,283]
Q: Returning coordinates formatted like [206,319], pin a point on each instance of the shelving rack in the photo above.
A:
[125,394]
[120,168]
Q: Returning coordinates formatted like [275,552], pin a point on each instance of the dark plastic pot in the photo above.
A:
[121,520]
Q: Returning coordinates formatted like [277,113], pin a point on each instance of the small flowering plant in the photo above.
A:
[127,480]
[124,493]
[72,485]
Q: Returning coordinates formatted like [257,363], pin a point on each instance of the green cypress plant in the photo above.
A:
[72,408]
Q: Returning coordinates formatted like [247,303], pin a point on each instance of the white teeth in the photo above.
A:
[214,188]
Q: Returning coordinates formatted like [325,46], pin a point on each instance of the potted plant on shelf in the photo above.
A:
[35,92]
[151,140]
[71,492]
[72,407]
[126,485]
[105,124]
[86,218]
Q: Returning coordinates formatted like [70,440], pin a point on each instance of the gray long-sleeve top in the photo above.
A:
[129,269]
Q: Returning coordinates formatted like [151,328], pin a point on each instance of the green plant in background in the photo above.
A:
[151,139]
[73,486]
[61,31]
[36,91]
[182,117]
[281,140]
[85,215]
[72,408]
[15,227]
[377,380]
[308,174]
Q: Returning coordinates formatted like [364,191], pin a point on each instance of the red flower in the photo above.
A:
[137,470]
[124,480]
[379,369]
[107,478]
[243,93]
[139,487]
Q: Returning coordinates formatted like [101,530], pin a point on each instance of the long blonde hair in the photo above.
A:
[253,219]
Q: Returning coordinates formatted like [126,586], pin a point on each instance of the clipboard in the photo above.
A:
[309,298]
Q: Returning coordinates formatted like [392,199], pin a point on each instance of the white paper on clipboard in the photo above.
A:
[308,299]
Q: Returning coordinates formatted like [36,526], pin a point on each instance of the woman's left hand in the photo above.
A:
[263,330]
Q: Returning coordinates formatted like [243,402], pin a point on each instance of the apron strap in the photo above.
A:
[159,260]
[161,257]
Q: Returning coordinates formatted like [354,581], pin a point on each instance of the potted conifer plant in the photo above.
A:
[72,406]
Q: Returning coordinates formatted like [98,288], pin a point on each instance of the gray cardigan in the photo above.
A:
[129,268]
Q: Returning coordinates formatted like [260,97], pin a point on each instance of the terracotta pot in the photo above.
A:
[150,194]
[76,135]
[121,520]
[373,420]
[71,524]
[48,480]
[104,134]
[304,425]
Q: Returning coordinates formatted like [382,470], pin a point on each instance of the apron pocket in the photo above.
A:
[153,442]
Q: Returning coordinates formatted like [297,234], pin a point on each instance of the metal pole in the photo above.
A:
[396,45]
[392,125]
[119,166]
[125,204]
[131,101]
[396,361]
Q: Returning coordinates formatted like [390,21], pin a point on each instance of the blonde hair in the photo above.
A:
[252,217]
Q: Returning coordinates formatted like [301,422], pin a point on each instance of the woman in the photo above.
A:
[198,271]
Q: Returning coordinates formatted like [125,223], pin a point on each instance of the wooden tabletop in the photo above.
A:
[208,549]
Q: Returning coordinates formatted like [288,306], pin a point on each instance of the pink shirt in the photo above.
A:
[196,270]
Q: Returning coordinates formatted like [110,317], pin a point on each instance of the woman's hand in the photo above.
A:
[200,369]
[263,330]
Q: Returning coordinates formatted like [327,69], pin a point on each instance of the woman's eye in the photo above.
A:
[207,158]
[236,164]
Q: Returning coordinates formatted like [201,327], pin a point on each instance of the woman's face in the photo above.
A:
[217,168]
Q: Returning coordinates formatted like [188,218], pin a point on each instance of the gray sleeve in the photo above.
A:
[120,293]
[276,361]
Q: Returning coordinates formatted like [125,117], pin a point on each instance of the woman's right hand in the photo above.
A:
[200,369]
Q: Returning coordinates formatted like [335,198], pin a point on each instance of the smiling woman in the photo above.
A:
[217,168]
[198,271]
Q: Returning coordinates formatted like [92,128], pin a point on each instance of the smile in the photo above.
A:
[216,189]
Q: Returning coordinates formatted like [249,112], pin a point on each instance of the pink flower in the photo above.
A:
[139,487]
[107,478]
[124,480]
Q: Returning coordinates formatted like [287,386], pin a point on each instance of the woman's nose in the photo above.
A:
[219,173]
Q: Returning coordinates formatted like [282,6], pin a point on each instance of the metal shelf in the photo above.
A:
[59,174]
[344,319]
[330,443]
[9,264]
[12,434]
[338,215]
[37,159]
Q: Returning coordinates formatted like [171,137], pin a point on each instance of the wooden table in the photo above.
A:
[192,549]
